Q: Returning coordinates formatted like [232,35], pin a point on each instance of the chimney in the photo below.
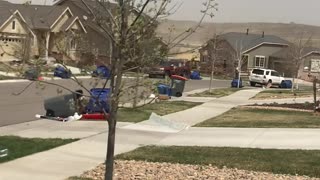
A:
[248,31]
[263,34]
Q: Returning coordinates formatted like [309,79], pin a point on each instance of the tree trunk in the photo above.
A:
[111,144]
[211,79]
[119,60]
[293,84]
[315,93]
[136,90]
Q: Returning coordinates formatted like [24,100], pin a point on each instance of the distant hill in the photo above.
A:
[289,32]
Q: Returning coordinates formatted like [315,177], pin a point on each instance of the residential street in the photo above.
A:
[22,108]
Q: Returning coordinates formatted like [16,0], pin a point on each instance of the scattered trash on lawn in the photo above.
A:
[3,152]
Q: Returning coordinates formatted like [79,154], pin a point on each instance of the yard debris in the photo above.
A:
[126,170]
[75,117]
[3,153]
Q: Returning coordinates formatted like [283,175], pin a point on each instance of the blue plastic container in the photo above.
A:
[98,105]
[102,72]
[195,75]
[235,83]
[286,84]
[61,72]
[164,89]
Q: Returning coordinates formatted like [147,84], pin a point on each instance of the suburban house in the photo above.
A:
[28,31]
[87,11]
[185,52]
[231,50]
[310,64]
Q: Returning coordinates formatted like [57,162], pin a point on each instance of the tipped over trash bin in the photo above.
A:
[101,72]
[195,75]
[62,72]
[61,106]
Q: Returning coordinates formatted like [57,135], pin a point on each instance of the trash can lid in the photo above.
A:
[179,78]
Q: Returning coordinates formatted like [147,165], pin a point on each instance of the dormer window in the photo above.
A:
[13,25]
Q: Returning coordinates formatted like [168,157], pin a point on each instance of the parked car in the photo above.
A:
[265,77]
[171,67]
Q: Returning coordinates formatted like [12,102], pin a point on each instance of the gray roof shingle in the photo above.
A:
[36,16]
[244,42]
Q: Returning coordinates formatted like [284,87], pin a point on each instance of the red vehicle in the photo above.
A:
[171,67]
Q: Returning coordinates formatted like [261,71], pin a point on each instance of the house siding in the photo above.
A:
[264,50]
[9,50]
[303,74]
[225,59]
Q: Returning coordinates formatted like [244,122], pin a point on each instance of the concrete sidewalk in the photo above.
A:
[75,158]
[266,138]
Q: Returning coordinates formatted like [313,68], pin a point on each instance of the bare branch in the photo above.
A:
[139,15]
[23,90]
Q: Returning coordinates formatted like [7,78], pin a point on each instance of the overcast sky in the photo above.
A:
[285,11]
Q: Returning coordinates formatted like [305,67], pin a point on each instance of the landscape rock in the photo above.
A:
[127,170]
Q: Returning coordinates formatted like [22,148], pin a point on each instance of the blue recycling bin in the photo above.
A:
[286,84]
[62,73]
[164,89]
[195,75]
[235,82]
[99,101]
[102,72]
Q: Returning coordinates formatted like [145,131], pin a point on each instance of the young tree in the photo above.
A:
[213,52]
[296,54]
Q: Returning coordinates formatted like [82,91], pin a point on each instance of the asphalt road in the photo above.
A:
[16,109]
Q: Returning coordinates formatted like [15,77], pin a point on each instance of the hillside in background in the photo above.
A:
[290,32]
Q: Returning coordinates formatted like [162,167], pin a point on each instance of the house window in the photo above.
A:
[245,58]
[225,65]
[73,44]
[13,25]
[260,61]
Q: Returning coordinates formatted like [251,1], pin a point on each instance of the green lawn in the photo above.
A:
[276,161]
[304,91]
[162,108]
[217,93]
[19,147]
[263,118]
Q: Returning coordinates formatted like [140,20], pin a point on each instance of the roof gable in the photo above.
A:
[11,16]
[72,22]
